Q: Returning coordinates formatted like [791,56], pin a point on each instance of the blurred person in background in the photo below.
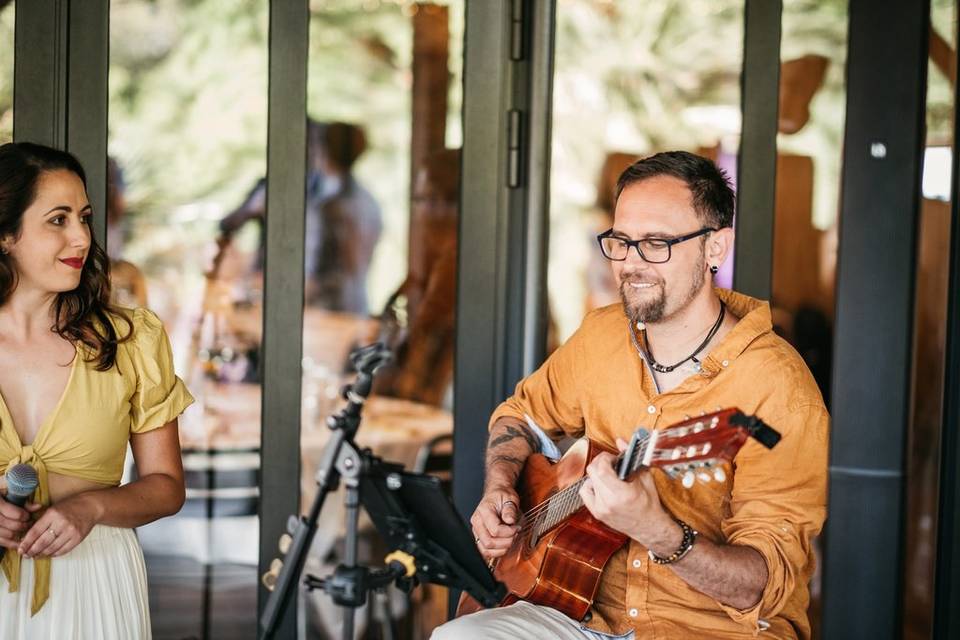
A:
[343,221]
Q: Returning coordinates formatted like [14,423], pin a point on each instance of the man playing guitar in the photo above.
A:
[725,559]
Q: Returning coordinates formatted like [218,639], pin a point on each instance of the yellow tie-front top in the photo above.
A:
[86,435]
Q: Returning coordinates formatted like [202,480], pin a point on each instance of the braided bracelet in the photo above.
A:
[689,535]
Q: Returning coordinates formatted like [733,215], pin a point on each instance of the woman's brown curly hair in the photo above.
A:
[84,314]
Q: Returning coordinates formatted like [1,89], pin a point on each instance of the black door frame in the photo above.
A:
[873,335]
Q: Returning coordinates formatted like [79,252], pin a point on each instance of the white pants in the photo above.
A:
[520,620]
[98,591]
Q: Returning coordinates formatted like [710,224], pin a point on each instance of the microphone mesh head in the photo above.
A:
[21,479]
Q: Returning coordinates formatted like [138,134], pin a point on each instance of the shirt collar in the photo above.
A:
[755,321]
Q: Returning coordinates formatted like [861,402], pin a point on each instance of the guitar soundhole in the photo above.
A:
[531,542]
[528,538]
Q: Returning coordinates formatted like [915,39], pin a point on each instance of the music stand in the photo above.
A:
[410,510]
[413,514]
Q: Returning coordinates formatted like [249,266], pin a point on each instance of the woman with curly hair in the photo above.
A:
[79,379]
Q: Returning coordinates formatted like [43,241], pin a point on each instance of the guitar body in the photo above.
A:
[559,553]
[562,568]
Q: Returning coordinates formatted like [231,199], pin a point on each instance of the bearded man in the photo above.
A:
[727,559]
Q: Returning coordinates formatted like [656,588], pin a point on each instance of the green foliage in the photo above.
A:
[188,87]
[6,73]
[641,76]
[188,104]
[188,114]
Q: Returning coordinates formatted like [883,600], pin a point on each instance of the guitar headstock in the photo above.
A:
[697,448]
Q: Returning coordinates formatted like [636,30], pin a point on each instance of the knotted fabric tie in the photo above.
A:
[11,559]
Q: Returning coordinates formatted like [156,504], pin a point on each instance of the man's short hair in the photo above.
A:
[712,195]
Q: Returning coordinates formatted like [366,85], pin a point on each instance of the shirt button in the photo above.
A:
[651,409]
[637,564]
[725,363]
[633,613]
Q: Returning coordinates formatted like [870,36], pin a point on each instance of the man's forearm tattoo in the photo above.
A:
[517,462]
[513,433]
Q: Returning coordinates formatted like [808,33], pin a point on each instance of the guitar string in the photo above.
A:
[562,497]
[568,501]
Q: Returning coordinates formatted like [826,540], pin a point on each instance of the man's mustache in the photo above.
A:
[633,278]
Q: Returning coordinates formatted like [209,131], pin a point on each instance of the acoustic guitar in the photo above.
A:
[560,550]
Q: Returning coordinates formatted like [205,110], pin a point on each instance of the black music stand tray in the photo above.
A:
[413,514]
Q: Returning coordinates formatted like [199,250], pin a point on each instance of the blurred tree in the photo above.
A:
[6,70]
[188,85]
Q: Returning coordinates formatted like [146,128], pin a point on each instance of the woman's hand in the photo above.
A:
[62,527]
[14,521]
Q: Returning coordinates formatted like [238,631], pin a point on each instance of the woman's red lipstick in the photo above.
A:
[76,263]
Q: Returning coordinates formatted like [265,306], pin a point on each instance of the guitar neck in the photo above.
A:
[555,509]
[567,501]
[691,450]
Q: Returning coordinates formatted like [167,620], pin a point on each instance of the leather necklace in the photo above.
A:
[660,368]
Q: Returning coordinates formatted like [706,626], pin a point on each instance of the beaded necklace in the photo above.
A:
[660,368]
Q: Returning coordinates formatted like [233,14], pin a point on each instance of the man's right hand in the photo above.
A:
[494,523]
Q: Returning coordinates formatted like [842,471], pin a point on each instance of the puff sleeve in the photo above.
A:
[160,396]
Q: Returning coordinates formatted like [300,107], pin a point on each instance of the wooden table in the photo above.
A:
[226,418]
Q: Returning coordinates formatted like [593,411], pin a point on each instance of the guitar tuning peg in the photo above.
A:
[292,523]
[285,541]
[719,475]
[688,479]
[704,477]
[269,579]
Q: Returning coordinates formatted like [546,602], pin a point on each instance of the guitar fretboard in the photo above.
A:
[567,501]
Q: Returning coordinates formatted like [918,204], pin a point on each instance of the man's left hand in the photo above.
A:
[631,507]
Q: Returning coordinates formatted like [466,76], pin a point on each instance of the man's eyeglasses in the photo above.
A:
[653,250]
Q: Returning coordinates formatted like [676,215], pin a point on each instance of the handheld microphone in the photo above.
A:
[22,480]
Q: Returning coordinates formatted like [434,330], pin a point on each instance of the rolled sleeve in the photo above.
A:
[160,395]
[550,395]
[778,504]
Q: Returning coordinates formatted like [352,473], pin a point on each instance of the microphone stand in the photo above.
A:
[340,459]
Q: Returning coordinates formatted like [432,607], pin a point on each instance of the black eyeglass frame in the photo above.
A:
[668,242]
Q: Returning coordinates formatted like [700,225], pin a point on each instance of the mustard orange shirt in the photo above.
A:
[774,501]
[86,435]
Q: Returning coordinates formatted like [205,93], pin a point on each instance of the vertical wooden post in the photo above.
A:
[431,81]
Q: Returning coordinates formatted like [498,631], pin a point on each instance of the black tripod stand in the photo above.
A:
[410,511]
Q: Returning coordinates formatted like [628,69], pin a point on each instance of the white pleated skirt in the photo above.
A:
[98,591]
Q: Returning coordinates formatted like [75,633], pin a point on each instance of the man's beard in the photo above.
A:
[654,309]
[649,310]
